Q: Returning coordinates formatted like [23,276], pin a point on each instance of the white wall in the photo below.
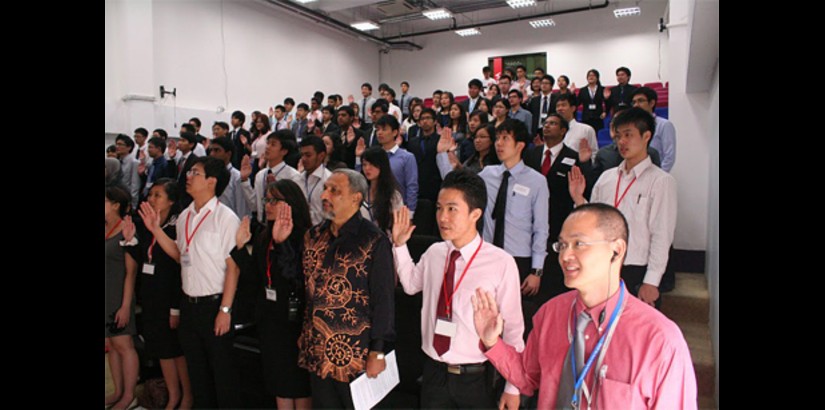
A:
[713,224]
[269,55]
[578,42]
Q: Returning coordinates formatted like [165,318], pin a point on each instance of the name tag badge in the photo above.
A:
[271,294]
[543,115]
[563,175]
[521,190]
[568,161]
[148,268]
[185,260]
[444,327]
[591,107]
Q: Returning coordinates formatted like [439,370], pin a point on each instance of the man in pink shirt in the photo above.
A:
[456,373]
[627,354]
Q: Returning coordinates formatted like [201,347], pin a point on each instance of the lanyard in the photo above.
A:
[596,350]
[151,247]
[186,232]
[448,299]
[306,186]
[269,263]
[113,229]
[617,200]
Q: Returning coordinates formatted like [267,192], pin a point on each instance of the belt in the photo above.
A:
[203,299]
[459,369]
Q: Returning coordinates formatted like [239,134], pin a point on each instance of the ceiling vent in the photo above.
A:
[393,8]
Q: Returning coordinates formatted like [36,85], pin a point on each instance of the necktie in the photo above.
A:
[270,177]
[372,137]
[441,343]
[544,105]
[363,109]
[581,325]
[472,105]
[548,162]
[180,164]
[498,211]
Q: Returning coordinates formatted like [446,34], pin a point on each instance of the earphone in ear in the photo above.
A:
[615,255]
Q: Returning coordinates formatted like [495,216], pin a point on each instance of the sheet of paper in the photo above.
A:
[366,392]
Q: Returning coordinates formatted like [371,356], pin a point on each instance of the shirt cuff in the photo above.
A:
[132,242]
[510,389]
[174,312]
[377,345]
[652,278]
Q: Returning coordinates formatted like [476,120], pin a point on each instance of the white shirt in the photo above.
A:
[650,209]
[394,110]
[259,146]
[199,150]
[576,133]
[254,197]
[209,247]
[554,152]
[488,82]
[313,186]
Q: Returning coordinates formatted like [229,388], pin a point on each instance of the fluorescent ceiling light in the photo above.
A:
[438,14]
[543,23]
[365,25]
[521,3]
[304,1]
[468,32]
[630,11]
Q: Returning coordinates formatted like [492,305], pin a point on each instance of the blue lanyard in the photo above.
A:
[580,379]
[306,186]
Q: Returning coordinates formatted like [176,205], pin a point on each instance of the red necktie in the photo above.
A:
[545,166]
[441,343]
[270,177]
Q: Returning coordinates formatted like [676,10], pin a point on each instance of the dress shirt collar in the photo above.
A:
[596,311]
[555,150]
[638,169]
[277,168]
[468,250]
[210,206]
[318,173]
[516,168]
[350,227]
[393,150]
[229,166]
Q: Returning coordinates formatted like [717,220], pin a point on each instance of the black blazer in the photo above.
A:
[185,198]
[561,204]
[585,101]
[429,178]
[466,104]
[240,150]
[618,97]
[535,108]
[349,148]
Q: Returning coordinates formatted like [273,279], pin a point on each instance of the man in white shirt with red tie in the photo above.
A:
[456,373]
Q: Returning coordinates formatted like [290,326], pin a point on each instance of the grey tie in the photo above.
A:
[565,394]
[581,325]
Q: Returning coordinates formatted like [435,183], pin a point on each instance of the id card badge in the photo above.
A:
[591,107]
[444,327]
[271,294]
[543,115]
[148,268]
[186,260]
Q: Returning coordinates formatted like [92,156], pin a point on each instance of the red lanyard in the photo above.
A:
[616,199]
[186,233]
[151,246]
[113,229]
[448,299]
[269,264]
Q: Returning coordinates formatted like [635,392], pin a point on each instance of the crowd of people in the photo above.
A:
[299,225]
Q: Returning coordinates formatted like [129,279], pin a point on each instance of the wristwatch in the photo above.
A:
[226,309]
[379,355]
[538,272]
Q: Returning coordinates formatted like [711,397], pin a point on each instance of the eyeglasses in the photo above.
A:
[273,200]
[193,173]
[577,246]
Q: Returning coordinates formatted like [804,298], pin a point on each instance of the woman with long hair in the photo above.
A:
[484,154]
[120,272]
[276,263]
[493,91]
[262,130]
[500,110]
[383,198]
[160,287]
[458,127]
[484,106]
[447,100]
[412,120]
[564,82]
[335,150]
[591,99]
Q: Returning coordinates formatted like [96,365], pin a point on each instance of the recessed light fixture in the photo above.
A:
[437,14]
[521,3]
[630,11]
[304,1]
[468,32]
[543,23]
[365,25]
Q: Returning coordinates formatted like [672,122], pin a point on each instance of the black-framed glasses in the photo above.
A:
[273,200]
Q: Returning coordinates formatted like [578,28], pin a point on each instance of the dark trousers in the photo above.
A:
[529,304]
[633,276]
[552,283]
[443,390]
[329,393]
[209,358]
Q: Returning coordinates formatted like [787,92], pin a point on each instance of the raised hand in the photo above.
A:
[244,140]
[402,228]
[350,135]
[453,159]
[246,168]
[243,235]
[350,99]
[271,111]
[283,222]
[150,218]
[360,147]
[576,184]
[486,317]
[128,228]
[584,150]
[606,93]
[446,141]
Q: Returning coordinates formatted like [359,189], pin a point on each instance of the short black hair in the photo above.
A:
[521,66]
[142,131]
[225,143]
[504,101]
[625,69]
[240,116]
[475,82]
[289,100]
[382,104]
[539,68]
[388,120]
[639,118]
[329,108]
[221,124]
[111,148]
[518,129]
[503,76]
[404,82]
[439,92]
[188,127]
[287,139]
[391,92]
[486,69]
[368,85]
[567,97]
[189,137]
[303,106]
[610,221]
[214,168]
[158,142]
[315,142]
[517,92]
[280,107]
[162,132]
[126,140]
[347,109]
[316,100]
[383,86]
[549,77]
[196,120]
[119,196]
[471,185]
[562,122]
[428,111]
[648,93]
[319,95]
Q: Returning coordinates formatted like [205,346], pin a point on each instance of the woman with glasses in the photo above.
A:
[120,273]
[275,261]
[160,287]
